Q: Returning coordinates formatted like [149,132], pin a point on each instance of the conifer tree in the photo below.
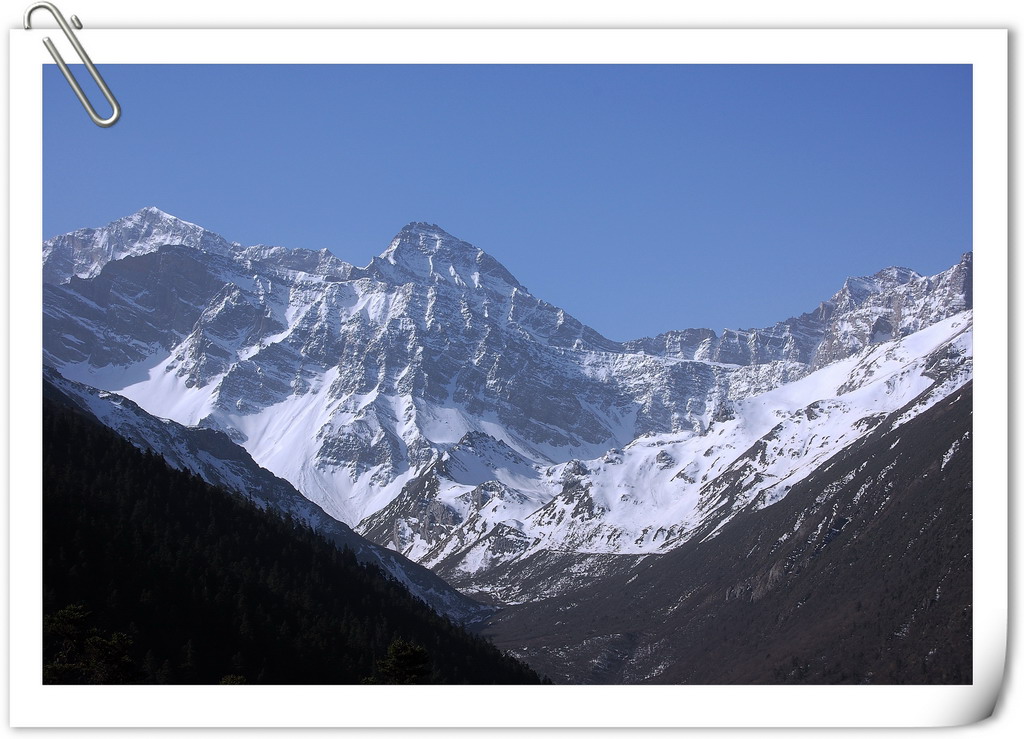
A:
[405,664]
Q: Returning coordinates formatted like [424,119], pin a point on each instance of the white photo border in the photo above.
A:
[33,704]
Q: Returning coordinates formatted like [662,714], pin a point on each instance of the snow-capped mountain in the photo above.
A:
[433,403]
[347,381]
[83,253]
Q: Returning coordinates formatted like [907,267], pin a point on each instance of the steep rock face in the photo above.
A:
[283,259]
[85,252]
[138,308]
[424,253]
[791,342]
[477,484]
[895,302]
[682,344]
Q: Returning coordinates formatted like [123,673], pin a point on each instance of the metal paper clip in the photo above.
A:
[59,17]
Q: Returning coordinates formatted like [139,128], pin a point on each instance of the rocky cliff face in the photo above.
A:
[84,253]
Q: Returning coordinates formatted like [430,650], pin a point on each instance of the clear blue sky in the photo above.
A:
[638,198]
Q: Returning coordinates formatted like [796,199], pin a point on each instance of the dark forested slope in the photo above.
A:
[153,576]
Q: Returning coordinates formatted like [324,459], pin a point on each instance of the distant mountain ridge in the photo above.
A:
[893,302]
[860,313]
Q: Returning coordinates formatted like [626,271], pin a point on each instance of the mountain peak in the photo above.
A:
[425,252]
[84,253]
[153,215]
[427,239]
[899,274]
[856,289]
[423,227]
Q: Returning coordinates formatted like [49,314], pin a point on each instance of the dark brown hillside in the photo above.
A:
[862,574]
